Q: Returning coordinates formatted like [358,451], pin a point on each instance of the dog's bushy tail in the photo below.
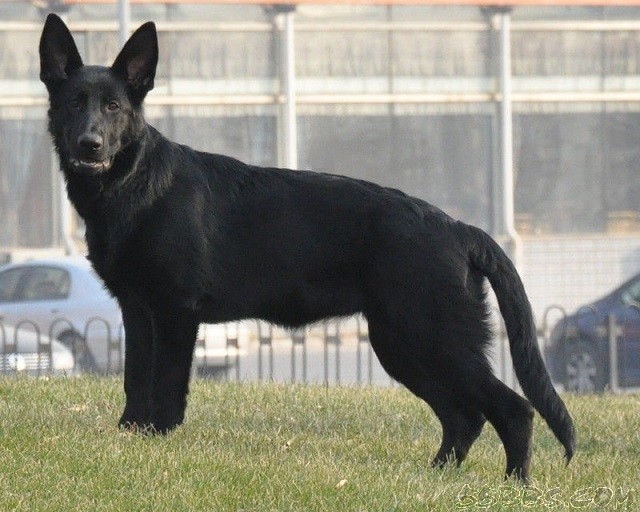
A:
[487,256]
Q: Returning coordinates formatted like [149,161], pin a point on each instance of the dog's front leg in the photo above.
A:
[175,340]
[139,333]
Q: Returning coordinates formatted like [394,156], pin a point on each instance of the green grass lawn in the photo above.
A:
[269,447]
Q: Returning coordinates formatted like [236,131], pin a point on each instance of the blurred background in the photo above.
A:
[520,119]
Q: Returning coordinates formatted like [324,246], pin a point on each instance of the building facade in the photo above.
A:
[408,96]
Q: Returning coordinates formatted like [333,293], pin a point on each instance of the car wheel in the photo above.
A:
[583,370]
[77,344]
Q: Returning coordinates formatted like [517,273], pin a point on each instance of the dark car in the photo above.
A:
[578,349]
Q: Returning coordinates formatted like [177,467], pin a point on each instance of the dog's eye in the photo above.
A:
[74,103]
[112,106]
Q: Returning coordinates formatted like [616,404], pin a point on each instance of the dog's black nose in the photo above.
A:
[90,142]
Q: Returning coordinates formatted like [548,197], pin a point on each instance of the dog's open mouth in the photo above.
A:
[94,166]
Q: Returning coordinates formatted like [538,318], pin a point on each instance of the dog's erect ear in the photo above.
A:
[137,61]
[59,55]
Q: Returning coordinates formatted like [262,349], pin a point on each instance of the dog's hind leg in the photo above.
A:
[459,386]
[461,425]
[512,417]
[460,428]
[459,337]
[510,414]
[175,341]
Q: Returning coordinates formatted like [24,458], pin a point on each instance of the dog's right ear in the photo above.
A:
[59,55]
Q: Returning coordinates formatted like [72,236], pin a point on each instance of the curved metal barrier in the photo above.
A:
[328,353]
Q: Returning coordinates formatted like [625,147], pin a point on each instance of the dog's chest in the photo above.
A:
[102,253]
[110,250]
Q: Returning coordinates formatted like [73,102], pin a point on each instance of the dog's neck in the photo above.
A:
[110,202]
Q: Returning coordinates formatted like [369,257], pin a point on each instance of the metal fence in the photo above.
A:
[331,352]
[586,352]
[62,348]
[594,349]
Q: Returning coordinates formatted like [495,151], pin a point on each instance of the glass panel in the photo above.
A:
[443,159]
[26,181]
[575,170]
[46,283]
[9,280]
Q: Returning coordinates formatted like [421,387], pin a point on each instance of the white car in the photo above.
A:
[25,351]
[65,300]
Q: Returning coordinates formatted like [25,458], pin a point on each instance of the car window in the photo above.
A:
[9,281]
[46,283]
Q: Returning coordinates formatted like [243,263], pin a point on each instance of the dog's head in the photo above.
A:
[95,111]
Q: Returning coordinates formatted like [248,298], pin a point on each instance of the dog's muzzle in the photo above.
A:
[90,145]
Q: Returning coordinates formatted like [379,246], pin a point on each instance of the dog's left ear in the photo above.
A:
[137,61]
[59,55]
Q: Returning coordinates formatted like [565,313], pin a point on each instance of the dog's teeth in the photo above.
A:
[92,164]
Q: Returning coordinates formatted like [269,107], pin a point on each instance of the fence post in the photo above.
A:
[265,340]
[363,339]
[613,331]
[299,339]
[331,334]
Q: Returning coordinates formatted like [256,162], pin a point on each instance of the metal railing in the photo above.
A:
[586,352]
[331,353]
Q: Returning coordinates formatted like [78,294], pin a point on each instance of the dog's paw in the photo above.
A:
[135,420]
[165,423]
[160,422]
[137,427]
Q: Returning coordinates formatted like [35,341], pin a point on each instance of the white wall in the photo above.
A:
[571,271]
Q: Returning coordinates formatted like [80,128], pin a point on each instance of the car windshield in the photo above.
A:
[34,283]
[46,283]
[9,280]
[632,294]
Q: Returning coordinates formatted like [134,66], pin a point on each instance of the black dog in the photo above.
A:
[182,237]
